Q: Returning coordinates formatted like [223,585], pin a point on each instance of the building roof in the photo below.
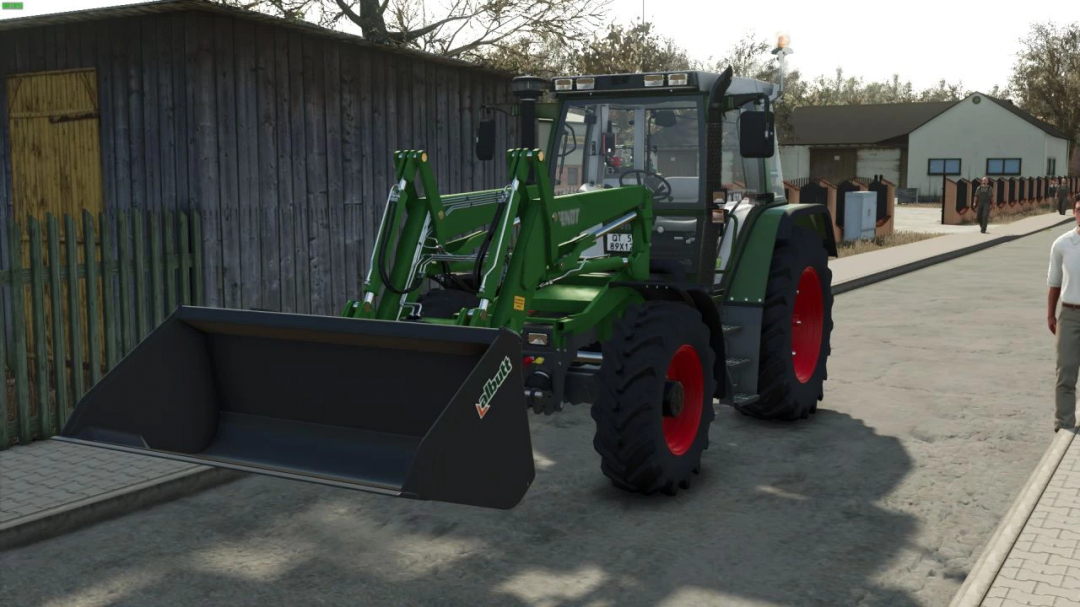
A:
[859,124]
[879,123]
[170,6]
[1045,126]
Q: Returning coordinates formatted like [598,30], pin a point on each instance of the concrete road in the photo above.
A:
[937,409]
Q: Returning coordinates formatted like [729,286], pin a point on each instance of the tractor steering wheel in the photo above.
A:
[661,193]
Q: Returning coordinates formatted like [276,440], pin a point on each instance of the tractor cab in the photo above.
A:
[657,130]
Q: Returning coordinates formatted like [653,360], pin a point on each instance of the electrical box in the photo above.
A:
[860,215]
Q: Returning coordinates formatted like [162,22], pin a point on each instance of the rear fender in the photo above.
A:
[751,272]
[813,216]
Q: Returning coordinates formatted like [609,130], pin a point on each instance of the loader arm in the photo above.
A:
[553,232]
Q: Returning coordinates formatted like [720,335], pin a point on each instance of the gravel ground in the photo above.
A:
[937,410]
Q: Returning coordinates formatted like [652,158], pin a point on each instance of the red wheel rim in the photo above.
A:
[685,368]
[806,324]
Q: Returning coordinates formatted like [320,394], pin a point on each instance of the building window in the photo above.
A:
[943,166]
[1051,166]
[1002,166]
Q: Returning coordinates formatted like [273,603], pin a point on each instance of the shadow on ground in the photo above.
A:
[781,515]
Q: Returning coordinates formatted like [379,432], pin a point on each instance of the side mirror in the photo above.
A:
[757,135]
[485,140]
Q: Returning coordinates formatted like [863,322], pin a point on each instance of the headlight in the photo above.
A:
[654,80]
[563,84]
[678,79]
[585,84]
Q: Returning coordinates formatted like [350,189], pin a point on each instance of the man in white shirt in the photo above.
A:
[1064,282]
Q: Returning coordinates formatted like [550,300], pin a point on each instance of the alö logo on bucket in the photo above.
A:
[492,385]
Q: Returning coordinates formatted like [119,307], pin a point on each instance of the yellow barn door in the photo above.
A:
[55,168]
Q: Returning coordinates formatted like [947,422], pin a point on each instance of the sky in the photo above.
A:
[924,41]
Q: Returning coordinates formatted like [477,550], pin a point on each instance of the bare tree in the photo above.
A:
[637,48]
[288,9]
[465,29]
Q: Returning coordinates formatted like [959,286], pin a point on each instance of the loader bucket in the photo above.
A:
[398,408]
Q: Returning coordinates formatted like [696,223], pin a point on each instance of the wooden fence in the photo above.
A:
[80,296]
[821,191]
[1012,195]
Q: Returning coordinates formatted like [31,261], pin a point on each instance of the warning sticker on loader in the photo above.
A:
[492,386]
[519,302]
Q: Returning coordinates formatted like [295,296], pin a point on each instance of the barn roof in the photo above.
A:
[859,124]
[170,6]
[876,124]
[1045,126]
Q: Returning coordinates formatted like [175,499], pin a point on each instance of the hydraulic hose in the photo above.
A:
[481,253]
[382,260]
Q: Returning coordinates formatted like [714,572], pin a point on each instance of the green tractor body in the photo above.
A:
[641,259]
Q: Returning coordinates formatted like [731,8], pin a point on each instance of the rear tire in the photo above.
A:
[641,450]
[796,328]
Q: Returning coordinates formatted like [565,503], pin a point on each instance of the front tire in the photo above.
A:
[653,346]
[796,329]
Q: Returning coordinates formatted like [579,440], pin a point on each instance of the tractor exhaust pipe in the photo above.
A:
[528,89]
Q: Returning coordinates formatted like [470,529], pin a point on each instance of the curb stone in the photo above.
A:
[869,279]
[69,517]
[997,548]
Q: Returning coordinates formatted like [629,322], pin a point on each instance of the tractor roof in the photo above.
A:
[686,80]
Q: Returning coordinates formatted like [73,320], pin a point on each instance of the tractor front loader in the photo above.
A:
[643,261]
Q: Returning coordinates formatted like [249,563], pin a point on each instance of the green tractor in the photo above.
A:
[642,260]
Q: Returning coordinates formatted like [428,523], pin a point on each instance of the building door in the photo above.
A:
[55,149]
[55,166]
[833,164]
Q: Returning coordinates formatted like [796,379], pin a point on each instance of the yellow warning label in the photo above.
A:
[519,302]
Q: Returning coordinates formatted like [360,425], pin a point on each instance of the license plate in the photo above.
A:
[618,243]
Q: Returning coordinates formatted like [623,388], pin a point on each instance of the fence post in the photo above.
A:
[157,269]
[37,302]
[90,258]
[109,312]
[127,320]
[196,241]
[18,328]
[185,259]
[170,264]
[56,298]
[78,383]
[5,407]
[141,300]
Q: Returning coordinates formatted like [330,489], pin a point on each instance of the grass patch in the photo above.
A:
[1032,212]
[855,247]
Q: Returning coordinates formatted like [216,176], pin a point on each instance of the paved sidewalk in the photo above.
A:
[867,268]
[1034,556]
[922,219]
[52,487]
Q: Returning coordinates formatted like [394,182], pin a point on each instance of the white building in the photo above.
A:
[915,144]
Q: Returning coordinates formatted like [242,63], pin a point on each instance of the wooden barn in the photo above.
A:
[278,133]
